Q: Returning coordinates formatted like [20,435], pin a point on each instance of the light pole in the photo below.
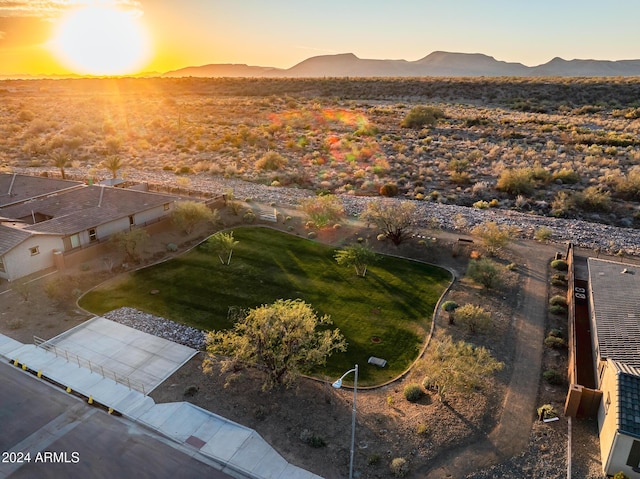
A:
[338,385]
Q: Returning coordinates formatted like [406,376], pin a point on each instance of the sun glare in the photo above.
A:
[101,40]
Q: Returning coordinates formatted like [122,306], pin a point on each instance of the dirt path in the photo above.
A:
[511,435]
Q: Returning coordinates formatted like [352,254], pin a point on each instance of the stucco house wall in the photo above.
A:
[20,261]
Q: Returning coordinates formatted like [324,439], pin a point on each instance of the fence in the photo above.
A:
[85,363]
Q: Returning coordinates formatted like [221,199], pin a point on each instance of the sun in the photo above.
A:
[101,40]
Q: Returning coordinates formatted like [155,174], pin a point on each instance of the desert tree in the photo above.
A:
[473,317]
[494,237]
[358,255]
[283,340]
[113,163]
[457,366]
[485,272]
[188,214]
[395,220]
[222,244]
[61,160]
[323,210]
[130,243]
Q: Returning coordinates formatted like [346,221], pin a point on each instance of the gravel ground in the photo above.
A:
[583,234]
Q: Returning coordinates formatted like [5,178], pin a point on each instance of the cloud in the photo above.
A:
[54,8]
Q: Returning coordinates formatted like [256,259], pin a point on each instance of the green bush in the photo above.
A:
[399,467]
[558,300]
[422,115]
[558,309]
[312,439]
[560,265]
[413,392]
[553,376]
[554,342]
[374,459]
[249,217]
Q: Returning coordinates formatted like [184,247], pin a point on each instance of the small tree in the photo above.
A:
[457,366]
[130,243]
[222,244]
[422,115]
[113,163]
[450,307]
[60,160]
[486,272]
[393,219]
[323,210]
[358,255]
[494,237]
[188,214]
[280,339]
[473,317]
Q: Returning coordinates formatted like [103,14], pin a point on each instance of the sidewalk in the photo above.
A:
[237,449]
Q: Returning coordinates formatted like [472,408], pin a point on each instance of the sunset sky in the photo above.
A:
[59,36]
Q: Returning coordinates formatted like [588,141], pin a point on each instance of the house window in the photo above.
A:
[607,403]
[75,240]
[166,206]
[2,270]
[634,456]
[93,235]
[34,250]
[132,220]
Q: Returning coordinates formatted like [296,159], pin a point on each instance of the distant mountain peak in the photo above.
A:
[437,63]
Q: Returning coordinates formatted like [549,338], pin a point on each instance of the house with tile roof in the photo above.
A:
[60,220]
[614,301]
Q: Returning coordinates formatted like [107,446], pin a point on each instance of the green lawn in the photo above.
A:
[394,302]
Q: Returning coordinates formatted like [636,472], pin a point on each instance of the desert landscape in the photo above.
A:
[500,150]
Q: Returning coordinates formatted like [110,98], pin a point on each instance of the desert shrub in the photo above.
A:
[553,376]
[558,309]
[473,317]
[554,342]
[422,429]
[593,198]
[413,392]
[249,216]
[62,288]
[628,187]
[312,439]
[556,333]
[516,181]
[389,190]
[485,272]
[374,459]
[323,210]
[546,411]
[421,116]
[481,205]
[312,235]
[558,300]
[172,247]
[493,236]
[620,475]
[560,265]
[559,279]
[191,391]
[15,323]
[566,176]
[399,467]
[271,160]
[543,234]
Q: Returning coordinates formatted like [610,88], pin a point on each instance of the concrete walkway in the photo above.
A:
[238,450]
[511,434]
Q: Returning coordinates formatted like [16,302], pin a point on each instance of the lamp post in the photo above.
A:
[338,385]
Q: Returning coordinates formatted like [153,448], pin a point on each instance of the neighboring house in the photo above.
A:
[15,189]
[34,229]
[613,295]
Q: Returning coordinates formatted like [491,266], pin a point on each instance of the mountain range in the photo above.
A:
[438,64]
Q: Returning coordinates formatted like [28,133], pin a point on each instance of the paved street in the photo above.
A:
[36,418]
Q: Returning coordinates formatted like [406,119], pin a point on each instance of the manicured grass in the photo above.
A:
[394,302]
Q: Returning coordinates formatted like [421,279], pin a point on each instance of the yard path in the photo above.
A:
[511,435]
